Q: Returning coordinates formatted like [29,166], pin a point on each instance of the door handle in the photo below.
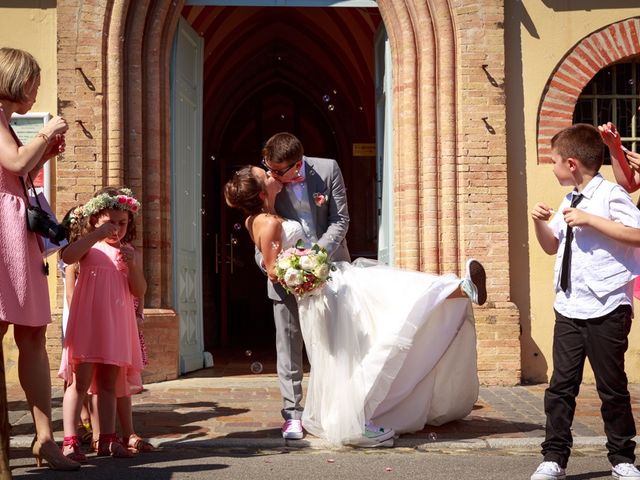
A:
[232,241]
[216,254]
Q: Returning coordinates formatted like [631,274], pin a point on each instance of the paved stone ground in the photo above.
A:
[235,407]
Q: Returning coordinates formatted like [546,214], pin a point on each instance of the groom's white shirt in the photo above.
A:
[299,196]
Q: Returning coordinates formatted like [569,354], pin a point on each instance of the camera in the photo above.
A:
[40,222]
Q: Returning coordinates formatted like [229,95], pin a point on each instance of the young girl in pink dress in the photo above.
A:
[101,353]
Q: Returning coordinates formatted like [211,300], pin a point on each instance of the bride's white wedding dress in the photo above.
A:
[385,345]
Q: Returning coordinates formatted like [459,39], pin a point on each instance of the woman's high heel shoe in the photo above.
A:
[50,452]
[71,449]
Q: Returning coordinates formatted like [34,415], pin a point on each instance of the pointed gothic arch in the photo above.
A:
[449,141]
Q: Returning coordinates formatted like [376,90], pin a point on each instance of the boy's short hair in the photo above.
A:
[582,142]
[283,147]
[17,69]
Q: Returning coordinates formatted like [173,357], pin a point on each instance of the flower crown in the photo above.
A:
[123,201]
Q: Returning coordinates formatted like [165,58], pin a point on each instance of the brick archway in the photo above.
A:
[450,176]
[594,52]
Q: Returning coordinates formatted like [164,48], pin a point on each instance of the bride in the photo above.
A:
[390,346]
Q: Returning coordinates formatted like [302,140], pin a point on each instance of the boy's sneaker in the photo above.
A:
[374,436]
[474,283]
[625,471]
[292,429]
[549,471]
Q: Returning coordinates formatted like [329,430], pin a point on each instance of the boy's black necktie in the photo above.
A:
[566,258]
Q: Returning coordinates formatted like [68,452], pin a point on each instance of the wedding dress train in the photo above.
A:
[385,345]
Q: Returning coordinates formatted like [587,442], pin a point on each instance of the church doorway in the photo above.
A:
[309,71]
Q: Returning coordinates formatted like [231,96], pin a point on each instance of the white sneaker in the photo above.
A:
[374,436]
[549,471]
[292,429]
[474,283]
[625,471]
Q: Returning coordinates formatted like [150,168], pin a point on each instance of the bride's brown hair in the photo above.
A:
[244,190]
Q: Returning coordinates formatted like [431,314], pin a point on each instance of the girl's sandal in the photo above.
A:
[71,449]
[108,445]
[136,444]
[85,432]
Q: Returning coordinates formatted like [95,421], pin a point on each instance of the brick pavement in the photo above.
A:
[240,407]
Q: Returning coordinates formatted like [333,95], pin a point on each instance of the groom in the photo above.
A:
[313,194]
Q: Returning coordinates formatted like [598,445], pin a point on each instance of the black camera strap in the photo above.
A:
[33,189]
[35,194]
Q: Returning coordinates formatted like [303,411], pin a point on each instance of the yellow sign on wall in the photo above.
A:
[364,149]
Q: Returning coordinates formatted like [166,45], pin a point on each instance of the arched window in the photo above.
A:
[612,95]
[591,85]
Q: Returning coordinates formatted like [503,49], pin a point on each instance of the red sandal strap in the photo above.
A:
[71,441]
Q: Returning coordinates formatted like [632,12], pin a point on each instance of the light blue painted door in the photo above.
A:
[186,161]
[384,147]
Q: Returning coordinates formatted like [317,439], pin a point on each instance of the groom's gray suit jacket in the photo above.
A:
[331,219]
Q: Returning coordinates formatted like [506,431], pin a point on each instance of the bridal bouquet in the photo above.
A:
[303,270]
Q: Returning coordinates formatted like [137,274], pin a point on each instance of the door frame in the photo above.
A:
[311,4]
[191,358]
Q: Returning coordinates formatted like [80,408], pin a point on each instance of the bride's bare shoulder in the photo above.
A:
[265,222]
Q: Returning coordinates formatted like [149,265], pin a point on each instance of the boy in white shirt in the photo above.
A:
[595,234]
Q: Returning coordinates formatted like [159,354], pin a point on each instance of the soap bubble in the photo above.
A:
[256,367]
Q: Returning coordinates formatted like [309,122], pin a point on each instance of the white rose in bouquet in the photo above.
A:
[284,263]
[308,262]
[293,277]
[322,271]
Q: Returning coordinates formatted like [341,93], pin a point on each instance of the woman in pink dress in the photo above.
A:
[101,352]
[24,296]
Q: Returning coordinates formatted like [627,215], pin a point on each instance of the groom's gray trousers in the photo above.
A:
[289,345]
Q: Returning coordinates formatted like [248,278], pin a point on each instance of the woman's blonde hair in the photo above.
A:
[18,69]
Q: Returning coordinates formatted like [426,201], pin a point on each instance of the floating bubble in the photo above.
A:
[361,108]
[212,157]
[282,116]
[186,192]
[432,436]
[248,353]
[234,241]
[631,81]
[202,211]
[335,91]
[256,367]
[326,98]
[331,107]
[237,226]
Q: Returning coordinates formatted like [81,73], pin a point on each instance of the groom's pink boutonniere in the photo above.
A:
[320,199]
